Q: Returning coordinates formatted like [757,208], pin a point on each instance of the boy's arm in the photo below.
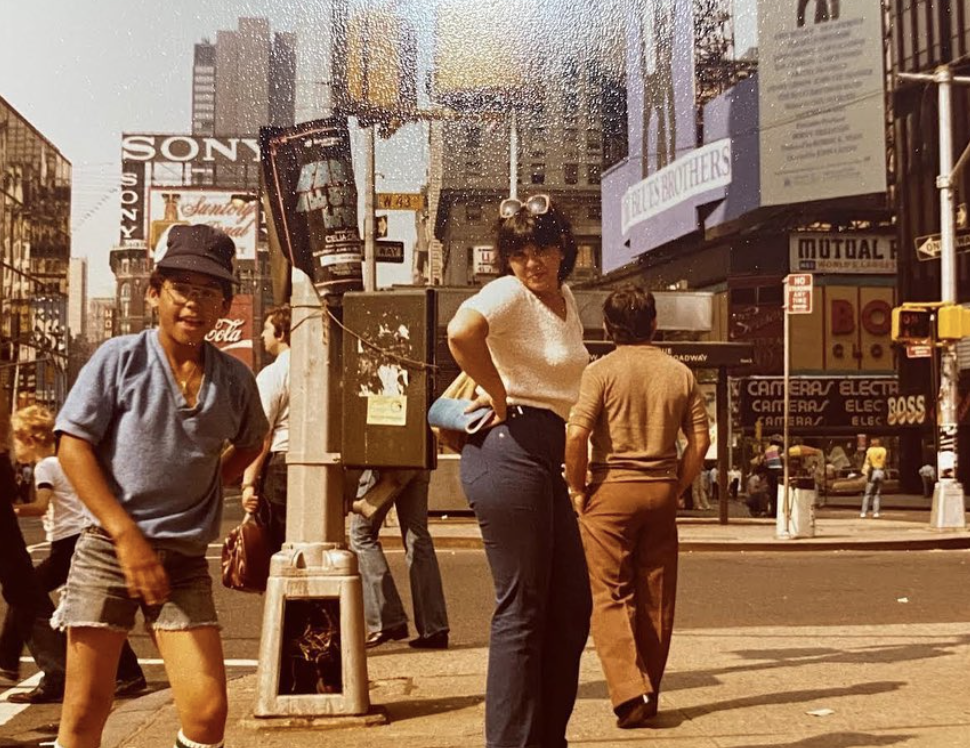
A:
[37,507]
[693,459]
[235,460]
[143,572]
[577,463]
[250,478]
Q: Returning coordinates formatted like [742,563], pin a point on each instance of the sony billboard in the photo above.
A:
[187,160]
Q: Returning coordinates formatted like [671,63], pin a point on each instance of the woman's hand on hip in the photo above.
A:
[499,407]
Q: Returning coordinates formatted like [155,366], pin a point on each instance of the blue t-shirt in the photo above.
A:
[161,457]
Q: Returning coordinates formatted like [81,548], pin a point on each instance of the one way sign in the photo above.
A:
[928,247]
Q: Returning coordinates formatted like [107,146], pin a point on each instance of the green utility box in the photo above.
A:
[387,385]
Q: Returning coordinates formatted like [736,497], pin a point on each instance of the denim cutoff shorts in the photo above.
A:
[96,595]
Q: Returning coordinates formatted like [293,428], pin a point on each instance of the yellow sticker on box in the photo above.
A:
[387,410]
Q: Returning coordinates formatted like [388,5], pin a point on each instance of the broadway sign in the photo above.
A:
[827,404]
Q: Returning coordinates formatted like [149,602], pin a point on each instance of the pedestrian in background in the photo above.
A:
[734,483]
[757,500]
[265,479]
[143,439]
[774,471]
[521,339]
[700,490]
[383,609]
[627,501]
[22,591]
[64,519]
[874,468]
[927,474]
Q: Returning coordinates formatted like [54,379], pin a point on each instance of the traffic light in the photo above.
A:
[911,325]
[953,322]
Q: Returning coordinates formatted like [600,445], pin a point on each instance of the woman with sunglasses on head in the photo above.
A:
[520,338]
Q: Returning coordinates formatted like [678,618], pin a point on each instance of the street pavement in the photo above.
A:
[809,686]
[803,686]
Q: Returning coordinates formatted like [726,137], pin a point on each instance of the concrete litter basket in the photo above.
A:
[800,521]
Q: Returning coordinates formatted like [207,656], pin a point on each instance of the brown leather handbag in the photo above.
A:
[245,556]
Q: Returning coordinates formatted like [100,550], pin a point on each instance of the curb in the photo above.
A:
[944,542]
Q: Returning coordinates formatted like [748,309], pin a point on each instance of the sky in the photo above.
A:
[84,71]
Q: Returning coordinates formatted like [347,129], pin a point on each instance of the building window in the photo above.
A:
[593,173]
[473,212]
[473,138]
[538,174]
[570,173]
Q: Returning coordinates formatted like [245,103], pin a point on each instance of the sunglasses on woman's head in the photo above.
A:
[537,205]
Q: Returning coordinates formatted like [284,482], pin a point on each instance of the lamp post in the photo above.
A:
[948,511]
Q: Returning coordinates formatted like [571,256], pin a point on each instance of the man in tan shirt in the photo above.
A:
[633,403]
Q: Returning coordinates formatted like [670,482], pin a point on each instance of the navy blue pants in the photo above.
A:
[512,476]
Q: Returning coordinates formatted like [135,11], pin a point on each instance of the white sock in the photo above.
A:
[183,742]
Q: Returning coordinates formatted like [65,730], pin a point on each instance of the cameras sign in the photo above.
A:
[835,404]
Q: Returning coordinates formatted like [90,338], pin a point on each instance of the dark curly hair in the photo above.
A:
[279,317]
[630,314]
[551,229]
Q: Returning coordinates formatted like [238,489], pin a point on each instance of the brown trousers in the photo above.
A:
[629,533]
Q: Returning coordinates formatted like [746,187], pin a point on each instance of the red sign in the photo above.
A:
[798,293]
[234,332]
[919,351]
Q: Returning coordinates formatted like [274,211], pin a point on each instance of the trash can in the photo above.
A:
[801,520]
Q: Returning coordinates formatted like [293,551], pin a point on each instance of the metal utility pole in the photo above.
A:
[948,510]
[785,532]
[513,157]
[314,580]
[370,180]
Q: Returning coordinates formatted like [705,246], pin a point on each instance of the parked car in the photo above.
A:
[852,482]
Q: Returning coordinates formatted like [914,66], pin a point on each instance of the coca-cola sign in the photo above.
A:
[234,332]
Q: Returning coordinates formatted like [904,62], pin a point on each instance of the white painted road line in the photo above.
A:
[7,710]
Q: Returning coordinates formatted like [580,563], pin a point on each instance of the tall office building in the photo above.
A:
[204,89]
[35,246]
[77,300]
[570,126]
[245,80]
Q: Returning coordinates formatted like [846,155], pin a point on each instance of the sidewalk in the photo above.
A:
[809,687]
[904,525]
[900,685]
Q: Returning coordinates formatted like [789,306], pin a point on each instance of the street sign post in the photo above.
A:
[400,201]
[798,300]
[798,293]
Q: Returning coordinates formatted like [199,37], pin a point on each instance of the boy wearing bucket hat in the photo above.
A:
[143,436]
